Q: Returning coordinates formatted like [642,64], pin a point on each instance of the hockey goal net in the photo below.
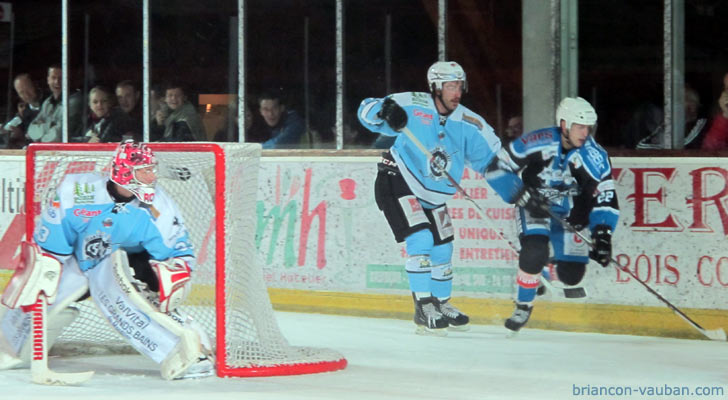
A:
[215,187]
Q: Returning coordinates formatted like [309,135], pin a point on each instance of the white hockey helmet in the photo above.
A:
[575,110]
[445,71]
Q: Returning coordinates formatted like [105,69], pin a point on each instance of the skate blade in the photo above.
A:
[459,328]
[197,375]
[424,331]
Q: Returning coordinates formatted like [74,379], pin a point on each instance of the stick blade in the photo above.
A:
[574,292]
[52,378]
[715,334]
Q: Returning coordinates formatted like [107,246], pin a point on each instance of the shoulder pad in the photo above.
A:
[473,120]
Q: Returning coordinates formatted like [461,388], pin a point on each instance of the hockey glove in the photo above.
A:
[174,282]
[602,240]
[533,202]
[395,115]
[578,218]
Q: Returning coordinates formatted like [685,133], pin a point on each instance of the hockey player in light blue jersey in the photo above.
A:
[563,169]
[411,190]
[83,236]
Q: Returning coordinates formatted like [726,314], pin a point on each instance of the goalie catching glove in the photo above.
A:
[602,240]
[37,272]
[395,115]
[174,282]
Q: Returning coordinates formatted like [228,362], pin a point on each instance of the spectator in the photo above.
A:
[180,122]
[128,95]
[107,124]
[30,99]
[285,126]
[13,123]
[646,128]
[514,129]
[717,136]
[47,125]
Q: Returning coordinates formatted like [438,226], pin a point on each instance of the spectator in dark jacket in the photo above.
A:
[179,122]
[106,123]
[285,126]
[30,95]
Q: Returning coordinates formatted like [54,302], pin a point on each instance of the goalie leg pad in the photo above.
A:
[164,338]
[37,272]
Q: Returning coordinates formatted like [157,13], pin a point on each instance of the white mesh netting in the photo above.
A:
[232,285]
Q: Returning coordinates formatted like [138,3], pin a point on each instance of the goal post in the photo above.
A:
[215,187]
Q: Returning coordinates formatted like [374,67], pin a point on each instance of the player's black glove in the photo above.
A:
[533,202]
[602,240]
[395,115]
[578,218]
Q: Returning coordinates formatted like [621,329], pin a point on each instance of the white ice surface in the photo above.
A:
[388,361]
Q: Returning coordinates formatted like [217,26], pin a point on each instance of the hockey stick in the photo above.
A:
[567,292]
[713,334]
[39,371]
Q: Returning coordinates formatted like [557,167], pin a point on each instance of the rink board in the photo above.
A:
[325,247]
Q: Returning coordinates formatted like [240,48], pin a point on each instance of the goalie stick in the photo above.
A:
[567,292]
[39,371]
[712,334]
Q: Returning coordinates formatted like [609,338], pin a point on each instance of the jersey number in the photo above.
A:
[605,197]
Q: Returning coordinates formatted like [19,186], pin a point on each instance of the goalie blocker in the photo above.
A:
[37,272]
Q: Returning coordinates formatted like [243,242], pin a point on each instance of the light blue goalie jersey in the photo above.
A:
[83,220]
[462,139]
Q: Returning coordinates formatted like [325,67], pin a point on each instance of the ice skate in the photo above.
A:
[204,367]
[429,321]
[519,318]
[457,321]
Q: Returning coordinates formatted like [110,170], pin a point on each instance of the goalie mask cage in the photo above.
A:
[215,186]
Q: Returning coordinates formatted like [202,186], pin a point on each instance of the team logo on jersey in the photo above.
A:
[107,222]
[83,193]
[82,212]
[439,164]
[178,231]
[51,212]
[425,118]
[595,156]
[421,99]
[97,246]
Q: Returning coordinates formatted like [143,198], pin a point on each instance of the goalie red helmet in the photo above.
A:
[134,169]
